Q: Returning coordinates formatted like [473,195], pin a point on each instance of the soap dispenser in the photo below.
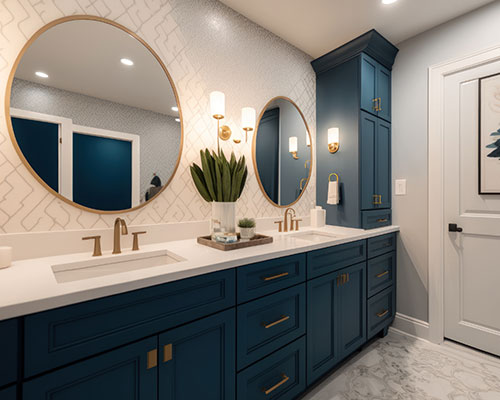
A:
[318,217]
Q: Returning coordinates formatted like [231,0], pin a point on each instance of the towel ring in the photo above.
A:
[336,176]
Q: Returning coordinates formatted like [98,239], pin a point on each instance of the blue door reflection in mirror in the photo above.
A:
[39,143]
[281,168]
[102,172]
[267,152]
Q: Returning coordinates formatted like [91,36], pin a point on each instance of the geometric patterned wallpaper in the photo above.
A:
[206,46]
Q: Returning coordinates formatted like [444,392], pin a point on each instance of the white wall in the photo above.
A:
[465,35]
[205,46]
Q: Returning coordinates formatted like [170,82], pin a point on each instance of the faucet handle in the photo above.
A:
[280,226]
[97,245]
[135,244]
[297,220]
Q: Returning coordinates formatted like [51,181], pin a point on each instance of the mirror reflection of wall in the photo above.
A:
[282,152]
[94,114]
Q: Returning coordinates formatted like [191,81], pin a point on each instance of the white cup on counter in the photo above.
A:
[5,256]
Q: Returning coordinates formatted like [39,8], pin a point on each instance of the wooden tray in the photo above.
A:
[255,241]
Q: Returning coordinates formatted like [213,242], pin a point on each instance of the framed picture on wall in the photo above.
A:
[489,134]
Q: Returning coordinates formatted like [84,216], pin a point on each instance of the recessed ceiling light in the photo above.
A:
[388,1]
[177,120]
[126,61]
[175,109]
[41,74]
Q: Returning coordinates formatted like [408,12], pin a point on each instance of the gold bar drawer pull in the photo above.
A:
[383,313]
[270,278]
[152,359]
[282,319]
[167,352]
[382,274]
[382,220]
[273,388]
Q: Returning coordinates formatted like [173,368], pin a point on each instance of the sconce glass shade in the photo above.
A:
[248,118]
[333,140]
[218,104]
[292,144]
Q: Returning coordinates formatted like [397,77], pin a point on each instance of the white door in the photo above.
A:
[472,257]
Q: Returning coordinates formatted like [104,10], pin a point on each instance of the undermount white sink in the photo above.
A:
[112,264]
[314,236]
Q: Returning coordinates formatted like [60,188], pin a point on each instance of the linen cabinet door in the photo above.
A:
[322,326]
[368,134]
[197,361]
[352,308]
[128,373]
[383,177]
[384,92]
[369,69]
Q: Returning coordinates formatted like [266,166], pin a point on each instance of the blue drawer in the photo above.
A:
[381,272]
[8,351]
[257,280]
[269,323]
[282,375]
[376,218]
[320,262]
[57,337]
[9,393]
[381,311]
[379,245]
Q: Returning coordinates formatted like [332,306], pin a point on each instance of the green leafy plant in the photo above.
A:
[246,223]
[218,179]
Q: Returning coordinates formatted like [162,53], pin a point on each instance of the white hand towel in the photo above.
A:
[333,193]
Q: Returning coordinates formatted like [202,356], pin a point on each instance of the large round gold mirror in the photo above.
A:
[282,152]
[94,114]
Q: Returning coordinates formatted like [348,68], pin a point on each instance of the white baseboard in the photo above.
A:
[411,326]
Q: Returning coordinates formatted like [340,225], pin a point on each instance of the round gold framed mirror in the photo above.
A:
[94,114]
[282,152]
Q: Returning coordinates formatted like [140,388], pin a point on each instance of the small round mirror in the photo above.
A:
[282,152]
[94,114]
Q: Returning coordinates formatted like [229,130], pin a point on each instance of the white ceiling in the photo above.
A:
[319,26]
[84,57]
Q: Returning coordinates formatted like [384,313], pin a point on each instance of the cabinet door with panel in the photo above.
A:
[197,361]
[383,175]
[128,373]
[375,88]
[351,308]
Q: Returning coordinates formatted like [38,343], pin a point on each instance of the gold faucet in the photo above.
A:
[119,223]
[289,211]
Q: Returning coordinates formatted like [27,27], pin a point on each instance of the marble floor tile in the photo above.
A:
[404,368]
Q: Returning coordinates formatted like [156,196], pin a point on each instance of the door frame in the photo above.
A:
[436,222]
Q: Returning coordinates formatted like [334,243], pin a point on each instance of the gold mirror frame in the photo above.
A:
[11,129]
[254,158]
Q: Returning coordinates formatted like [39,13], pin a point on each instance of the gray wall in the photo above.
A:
[160,134]
[470,33]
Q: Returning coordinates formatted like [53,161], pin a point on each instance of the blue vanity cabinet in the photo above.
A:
[375,88]
[9,333]
[197,361]
[375,163]
[127,373]
[9,393]
[353,93]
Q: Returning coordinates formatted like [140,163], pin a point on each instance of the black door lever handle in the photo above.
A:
[454,228]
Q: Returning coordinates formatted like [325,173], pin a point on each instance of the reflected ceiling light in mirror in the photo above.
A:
[127,62]
[388,1]
[308,139]
[177,120]
[333,140]
[41,74]
[248,120]
[174,108]
[293,147]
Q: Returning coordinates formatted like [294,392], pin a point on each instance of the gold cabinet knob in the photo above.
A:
[97,244]
[135,244]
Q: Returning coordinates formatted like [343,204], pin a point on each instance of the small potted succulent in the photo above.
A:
[247,228]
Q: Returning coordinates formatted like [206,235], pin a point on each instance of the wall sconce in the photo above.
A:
[218,110]
[333,140]
[248,120]
[293,146]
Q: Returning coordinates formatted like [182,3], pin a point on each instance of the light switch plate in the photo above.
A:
[400,187]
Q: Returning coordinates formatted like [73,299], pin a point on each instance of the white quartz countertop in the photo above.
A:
[30,286]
